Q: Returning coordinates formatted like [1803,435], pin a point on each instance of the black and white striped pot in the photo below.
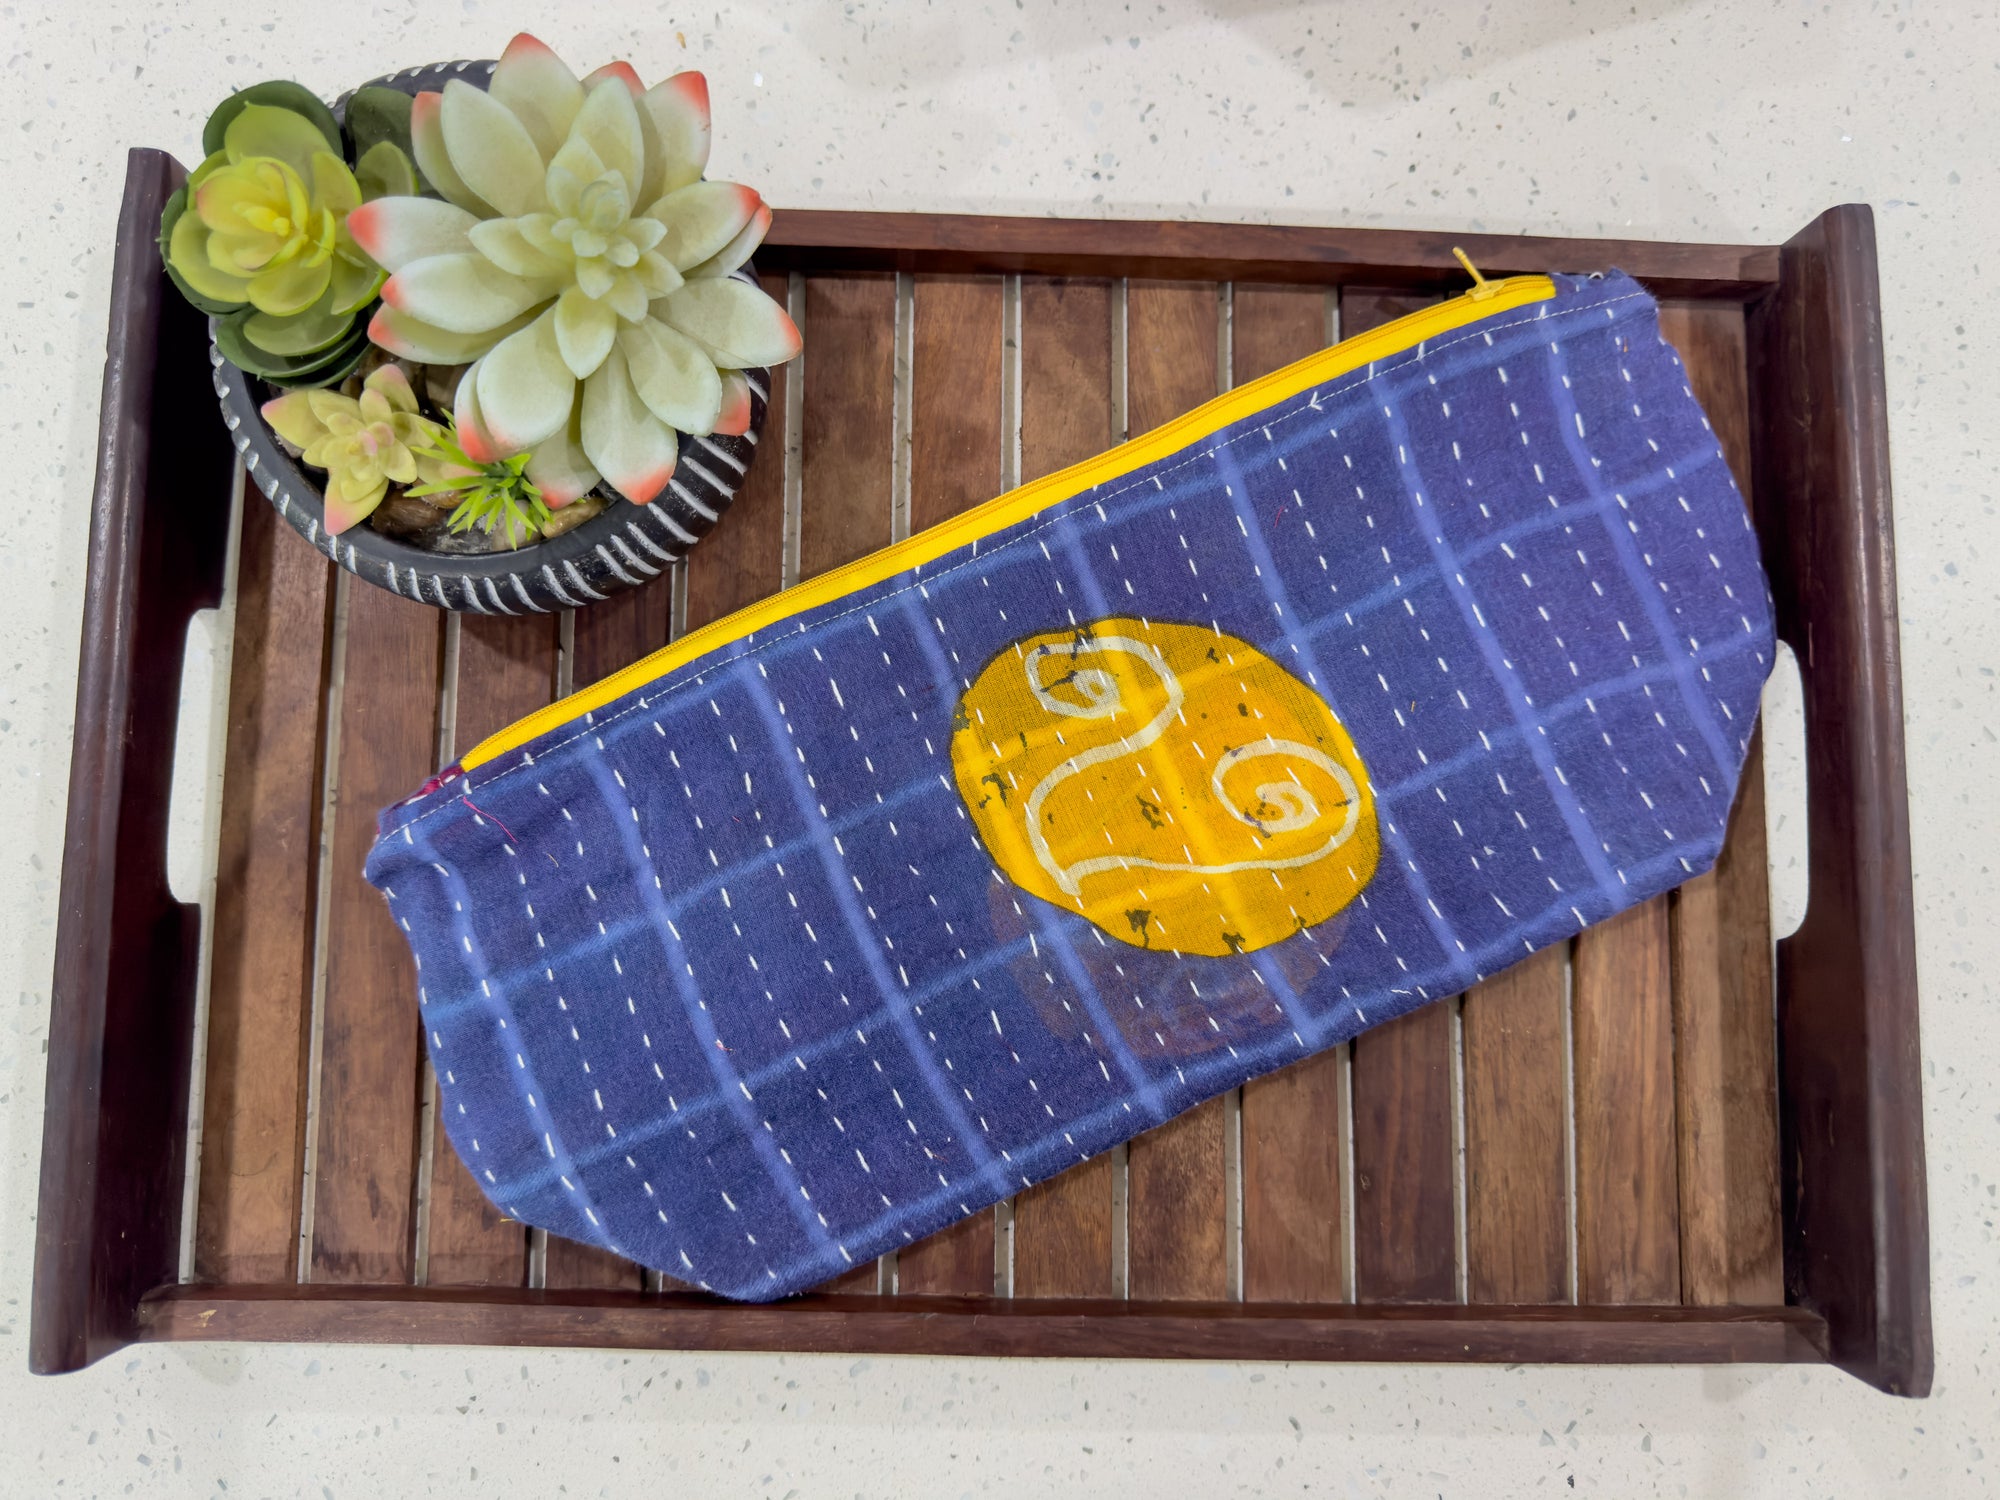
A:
[623,547]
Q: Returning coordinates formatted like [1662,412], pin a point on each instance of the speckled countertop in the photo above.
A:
[1727,121]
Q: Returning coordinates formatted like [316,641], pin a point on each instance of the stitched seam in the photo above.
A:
[1312,404]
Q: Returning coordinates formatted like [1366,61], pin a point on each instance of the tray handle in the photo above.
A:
[1857,1247]
[122,1005]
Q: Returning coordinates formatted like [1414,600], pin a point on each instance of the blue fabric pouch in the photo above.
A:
[849,915]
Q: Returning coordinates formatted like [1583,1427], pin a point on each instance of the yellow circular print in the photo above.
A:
[1173,784]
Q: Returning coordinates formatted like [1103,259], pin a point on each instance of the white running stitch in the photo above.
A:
[1310,407]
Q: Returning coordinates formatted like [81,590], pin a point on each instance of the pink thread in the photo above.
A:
[481,812]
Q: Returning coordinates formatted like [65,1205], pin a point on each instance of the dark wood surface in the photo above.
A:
[850,389]
[1676,1072]
[121,1005]
[261,960]
[1516,1127]
[1405,259]
[1627,1188]
[1857,1241]
[1725,1032]
[1087,1328]
[364,1168]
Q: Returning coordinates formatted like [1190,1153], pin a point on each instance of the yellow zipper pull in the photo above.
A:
[1481,287]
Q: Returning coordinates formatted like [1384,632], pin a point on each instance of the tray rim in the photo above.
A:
[1856,1276]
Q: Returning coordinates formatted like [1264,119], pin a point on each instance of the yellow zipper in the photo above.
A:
[1483,301]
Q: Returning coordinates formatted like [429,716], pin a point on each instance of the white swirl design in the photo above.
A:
[1101,698]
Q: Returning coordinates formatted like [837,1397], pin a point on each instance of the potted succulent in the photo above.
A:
[484,332]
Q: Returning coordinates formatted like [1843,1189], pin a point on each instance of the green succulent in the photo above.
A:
[258,237]
[498,493]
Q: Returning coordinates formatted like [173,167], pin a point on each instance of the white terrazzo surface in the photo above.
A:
[1673,120]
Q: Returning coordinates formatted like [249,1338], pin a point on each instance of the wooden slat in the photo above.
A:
[1725,1025]
[1292,1121]
[955,371]
[616,632]
[1062,1227]
[1627,1198]
[1292,1131]
[365,1163]
[506,668]
[743,559]
[1725,1067]
[260,977]
[1177,1197]
[1516,1110]
[850,370]
[1405,1230]
[847,498]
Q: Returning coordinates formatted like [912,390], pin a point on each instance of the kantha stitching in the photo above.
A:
[1312,404]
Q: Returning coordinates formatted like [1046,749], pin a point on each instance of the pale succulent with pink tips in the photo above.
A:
[582,266]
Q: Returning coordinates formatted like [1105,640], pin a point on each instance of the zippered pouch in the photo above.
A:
[870,905]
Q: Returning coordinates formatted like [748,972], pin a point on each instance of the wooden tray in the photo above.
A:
[1642,1149]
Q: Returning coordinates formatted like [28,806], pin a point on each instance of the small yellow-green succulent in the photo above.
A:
[364,444]
[259,236]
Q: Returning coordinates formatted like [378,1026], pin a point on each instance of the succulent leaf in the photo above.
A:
[384,171]
[322,367]
[396,231]
[427,146]
[288,289]
[734,418]
[673,376]
[463,293]
[623,440]
[185,241]
[377,114]
[492,150]
[679,113]
[731,257]
[264,130]
[621,70]
[540,89]
[559,466]
[354,283]
[585,328]
[280,94]
[318,327]
[737,324]
[473,437]
[608,124]
[510,246]
[702,219]
[526,389]
[427,344]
